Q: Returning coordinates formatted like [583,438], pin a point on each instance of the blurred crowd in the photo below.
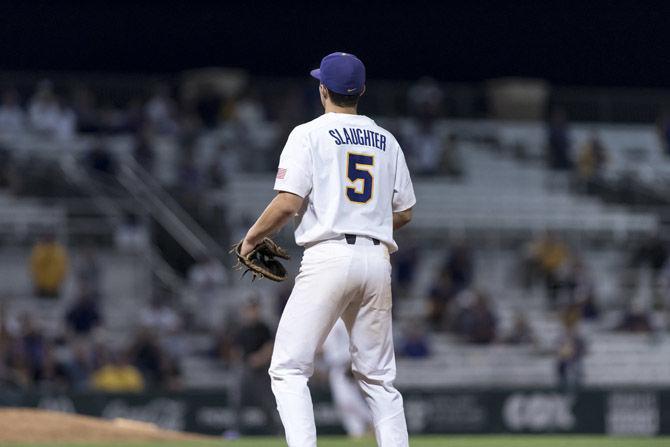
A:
[220,131]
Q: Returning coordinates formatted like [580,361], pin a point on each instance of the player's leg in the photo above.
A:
[353,410]
[316,302]
[368,320]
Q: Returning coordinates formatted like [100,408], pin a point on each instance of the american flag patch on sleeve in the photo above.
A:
[281,173]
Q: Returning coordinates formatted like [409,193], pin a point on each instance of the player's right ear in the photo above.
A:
[323,93]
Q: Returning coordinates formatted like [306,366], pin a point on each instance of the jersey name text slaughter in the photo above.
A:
[362,137]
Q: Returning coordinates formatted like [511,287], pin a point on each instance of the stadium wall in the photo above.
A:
[641,412]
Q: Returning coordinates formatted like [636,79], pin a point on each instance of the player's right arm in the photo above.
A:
[402,218]
[403,194]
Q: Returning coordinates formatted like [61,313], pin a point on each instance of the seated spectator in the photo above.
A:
[451,164]
[48,264]
[404,266]
[80,366]
[521,332]
[158,370]
[591,163]
[558,142]
[425,98]
[206,279]
[87,269]
[425,148]
[570,352]
[52,373]
[131,236]
[159,317]
[117,375]
[459,267]
[83,316]
[439,300]
[652,253]
[160,111]
[635,319]
[415,344]
[12,116]
[476,321]
[47,114]
[547,258]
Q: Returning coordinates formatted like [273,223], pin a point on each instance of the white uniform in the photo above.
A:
[353,176]
[354,413]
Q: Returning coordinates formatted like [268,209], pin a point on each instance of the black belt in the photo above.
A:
[351,239]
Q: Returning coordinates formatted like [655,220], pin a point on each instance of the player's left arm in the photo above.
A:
[284,206]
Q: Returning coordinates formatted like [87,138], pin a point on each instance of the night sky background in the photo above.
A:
[616,43]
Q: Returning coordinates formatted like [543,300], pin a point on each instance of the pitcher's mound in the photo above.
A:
[37,426]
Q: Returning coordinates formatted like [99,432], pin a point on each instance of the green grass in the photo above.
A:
[422,441]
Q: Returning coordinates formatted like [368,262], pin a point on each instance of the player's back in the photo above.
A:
[354,167]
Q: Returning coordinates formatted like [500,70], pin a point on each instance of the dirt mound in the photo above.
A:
[36,426]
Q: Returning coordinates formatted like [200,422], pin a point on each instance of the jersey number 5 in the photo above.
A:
[359,173]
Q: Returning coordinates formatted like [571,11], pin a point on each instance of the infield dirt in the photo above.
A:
[18,425]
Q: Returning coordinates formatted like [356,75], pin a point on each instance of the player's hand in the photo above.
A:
[246,247]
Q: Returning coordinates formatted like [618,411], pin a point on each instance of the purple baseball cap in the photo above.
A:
[342,73]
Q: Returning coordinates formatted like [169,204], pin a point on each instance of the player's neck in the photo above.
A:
[330,107]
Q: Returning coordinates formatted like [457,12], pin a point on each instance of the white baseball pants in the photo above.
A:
[354,282]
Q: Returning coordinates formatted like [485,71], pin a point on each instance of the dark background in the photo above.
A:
[616,43]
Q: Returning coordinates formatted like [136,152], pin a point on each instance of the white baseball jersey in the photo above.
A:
[352,173]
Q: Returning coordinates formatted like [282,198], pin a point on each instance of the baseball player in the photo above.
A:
[354,413]
[346,182]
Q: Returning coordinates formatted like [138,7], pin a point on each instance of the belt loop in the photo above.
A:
[351,239]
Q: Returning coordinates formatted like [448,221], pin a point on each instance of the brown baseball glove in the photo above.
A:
[261,260]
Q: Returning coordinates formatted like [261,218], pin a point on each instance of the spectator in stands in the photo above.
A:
[14,366]
[87,270]
[117,375]
[159,317]
[425,98]
[49,115]
[404,266]
[80,366]
[49,264]
[86,112]
[570,351]
[131,236]
[451,164]
[591,163]
[475,320]
[558,142]
[12,116]
[253,346]
[521,332]
[581,288]
[635,318]
[439,301]
[459,267]
[157,368]
[160,111]
[547,258]
[415,343]
[226,163]
[206,279]
[425,148]
[52,373]
[83,316]
[652,253]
